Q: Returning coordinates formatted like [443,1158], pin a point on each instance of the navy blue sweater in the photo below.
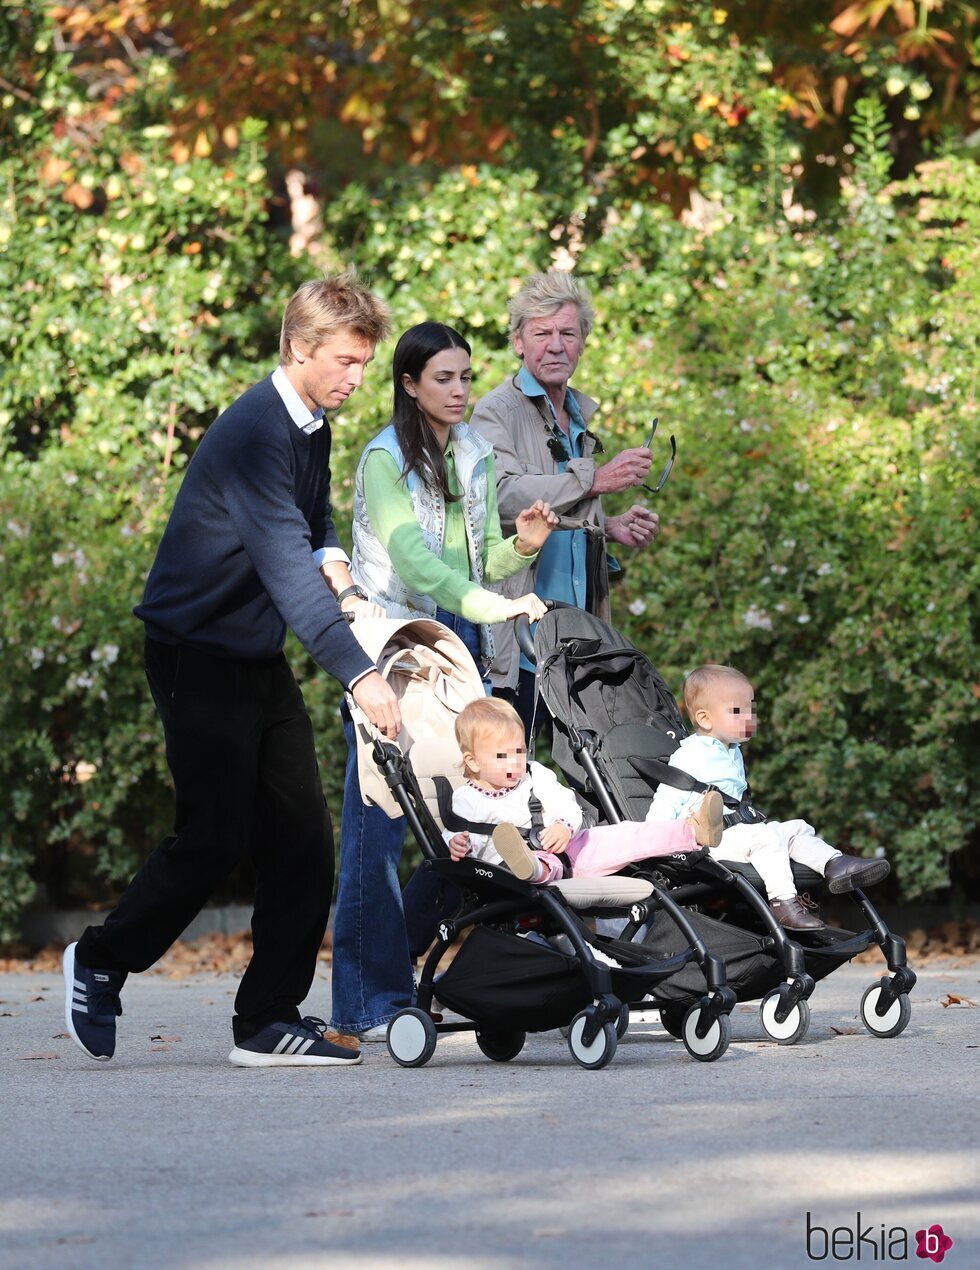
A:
[234,567]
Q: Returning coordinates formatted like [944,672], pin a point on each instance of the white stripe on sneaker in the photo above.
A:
[303,1048]
[286,1040]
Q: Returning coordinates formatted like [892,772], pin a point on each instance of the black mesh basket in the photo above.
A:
[504,980]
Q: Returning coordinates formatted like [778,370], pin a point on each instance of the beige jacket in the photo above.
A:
[526,470]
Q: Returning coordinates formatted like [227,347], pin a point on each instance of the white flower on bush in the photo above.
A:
[108,653]
[778,569]
[824,569]
[70,478]
[58,558]
[803,619]
[17,529]
[82,680]
[638,607]
[36,656]
[757,619]
[745,425]
[801,487]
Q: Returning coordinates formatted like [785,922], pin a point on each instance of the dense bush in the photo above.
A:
[136,298]
[817,369]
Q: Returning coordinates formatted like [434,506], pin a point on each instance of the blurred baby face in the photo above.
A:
[498,760]
[728,713]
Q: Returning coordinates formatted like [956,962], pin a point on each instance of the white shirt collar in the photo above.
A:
[294,403]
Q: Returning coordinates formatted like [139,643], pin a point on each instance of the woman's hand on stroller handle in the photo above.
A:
[530,606]
[522,626]
[374,697]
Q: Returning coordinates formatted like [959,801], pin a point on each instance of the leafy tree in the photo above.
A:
[136,297]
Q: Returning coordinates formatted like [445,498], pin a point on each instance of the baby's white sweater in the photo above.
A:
[512,807]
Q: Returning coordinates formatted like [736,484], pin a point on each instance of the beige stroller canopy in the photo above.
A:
[433,676]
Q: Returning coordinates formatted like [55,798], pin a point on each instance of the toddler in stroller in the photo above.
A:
[720,704]
[502,790]
[616,725]
[525,959]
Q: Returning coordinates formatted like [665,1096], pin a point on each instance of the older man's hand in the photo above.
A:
[626,470]
[635,528]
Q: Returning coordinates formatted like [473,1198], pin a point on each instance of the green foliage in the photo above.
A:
[136,297]
[817,366]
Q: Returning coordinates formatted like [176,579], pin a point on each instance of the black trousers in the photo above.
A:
[241,752]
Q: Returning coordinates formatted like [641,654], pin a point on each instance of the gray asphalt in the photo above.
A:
[170,1157]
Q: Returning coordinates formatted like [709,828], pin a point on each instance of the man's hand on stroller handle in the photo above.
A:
[375,698]
[534,526]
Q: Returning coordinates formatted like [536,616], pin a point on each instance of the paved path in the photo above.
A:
[170,1157]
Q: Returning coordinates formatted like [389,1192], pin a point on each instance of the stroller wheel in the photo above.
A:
[602,1049]
[793,1028]
[623,1022]
[894,1020]
[672,1020]
[411,1038]
[500,1046]
[714,1042]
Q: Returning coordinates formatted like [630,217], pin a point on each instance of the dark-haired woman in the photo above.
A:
[426,540]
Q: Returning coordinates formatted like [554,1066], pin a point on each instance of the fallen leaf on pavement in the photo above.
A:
[953,999]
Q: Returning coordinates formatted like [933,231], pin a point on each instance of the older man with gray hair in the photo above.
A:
[538,427]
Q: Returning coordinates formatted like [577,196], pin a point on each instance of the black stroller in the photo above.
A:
[529,963]
[615,725]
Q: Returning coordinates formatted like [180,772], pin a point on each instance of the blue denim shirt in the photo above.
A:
[560,574]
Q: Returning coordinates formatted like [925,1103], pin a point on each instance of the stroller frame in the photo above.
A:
[784,1011]
[503,898]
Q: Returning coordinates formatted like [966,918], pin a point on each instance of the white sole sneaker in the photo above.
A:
[71,986]
[249,1058]
[373,1035]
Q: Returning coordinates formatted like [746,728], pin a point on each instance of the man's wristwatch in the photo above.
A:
[348,591]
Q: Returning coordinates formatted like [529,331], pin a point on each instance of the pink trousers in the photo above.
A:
[596,853]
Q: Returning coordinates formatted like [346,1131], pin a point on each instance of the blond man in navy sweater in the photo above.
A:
[250,549]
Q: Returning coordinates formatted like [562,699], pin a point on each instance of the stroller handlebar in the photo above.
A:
[522,627]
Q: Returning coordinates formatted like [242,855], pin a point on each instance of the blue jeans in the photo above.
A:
[469,633]
[372,969]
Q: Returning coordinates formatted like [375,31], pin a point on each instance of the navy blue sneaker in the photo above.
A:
[303,1044]
[91,1006]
